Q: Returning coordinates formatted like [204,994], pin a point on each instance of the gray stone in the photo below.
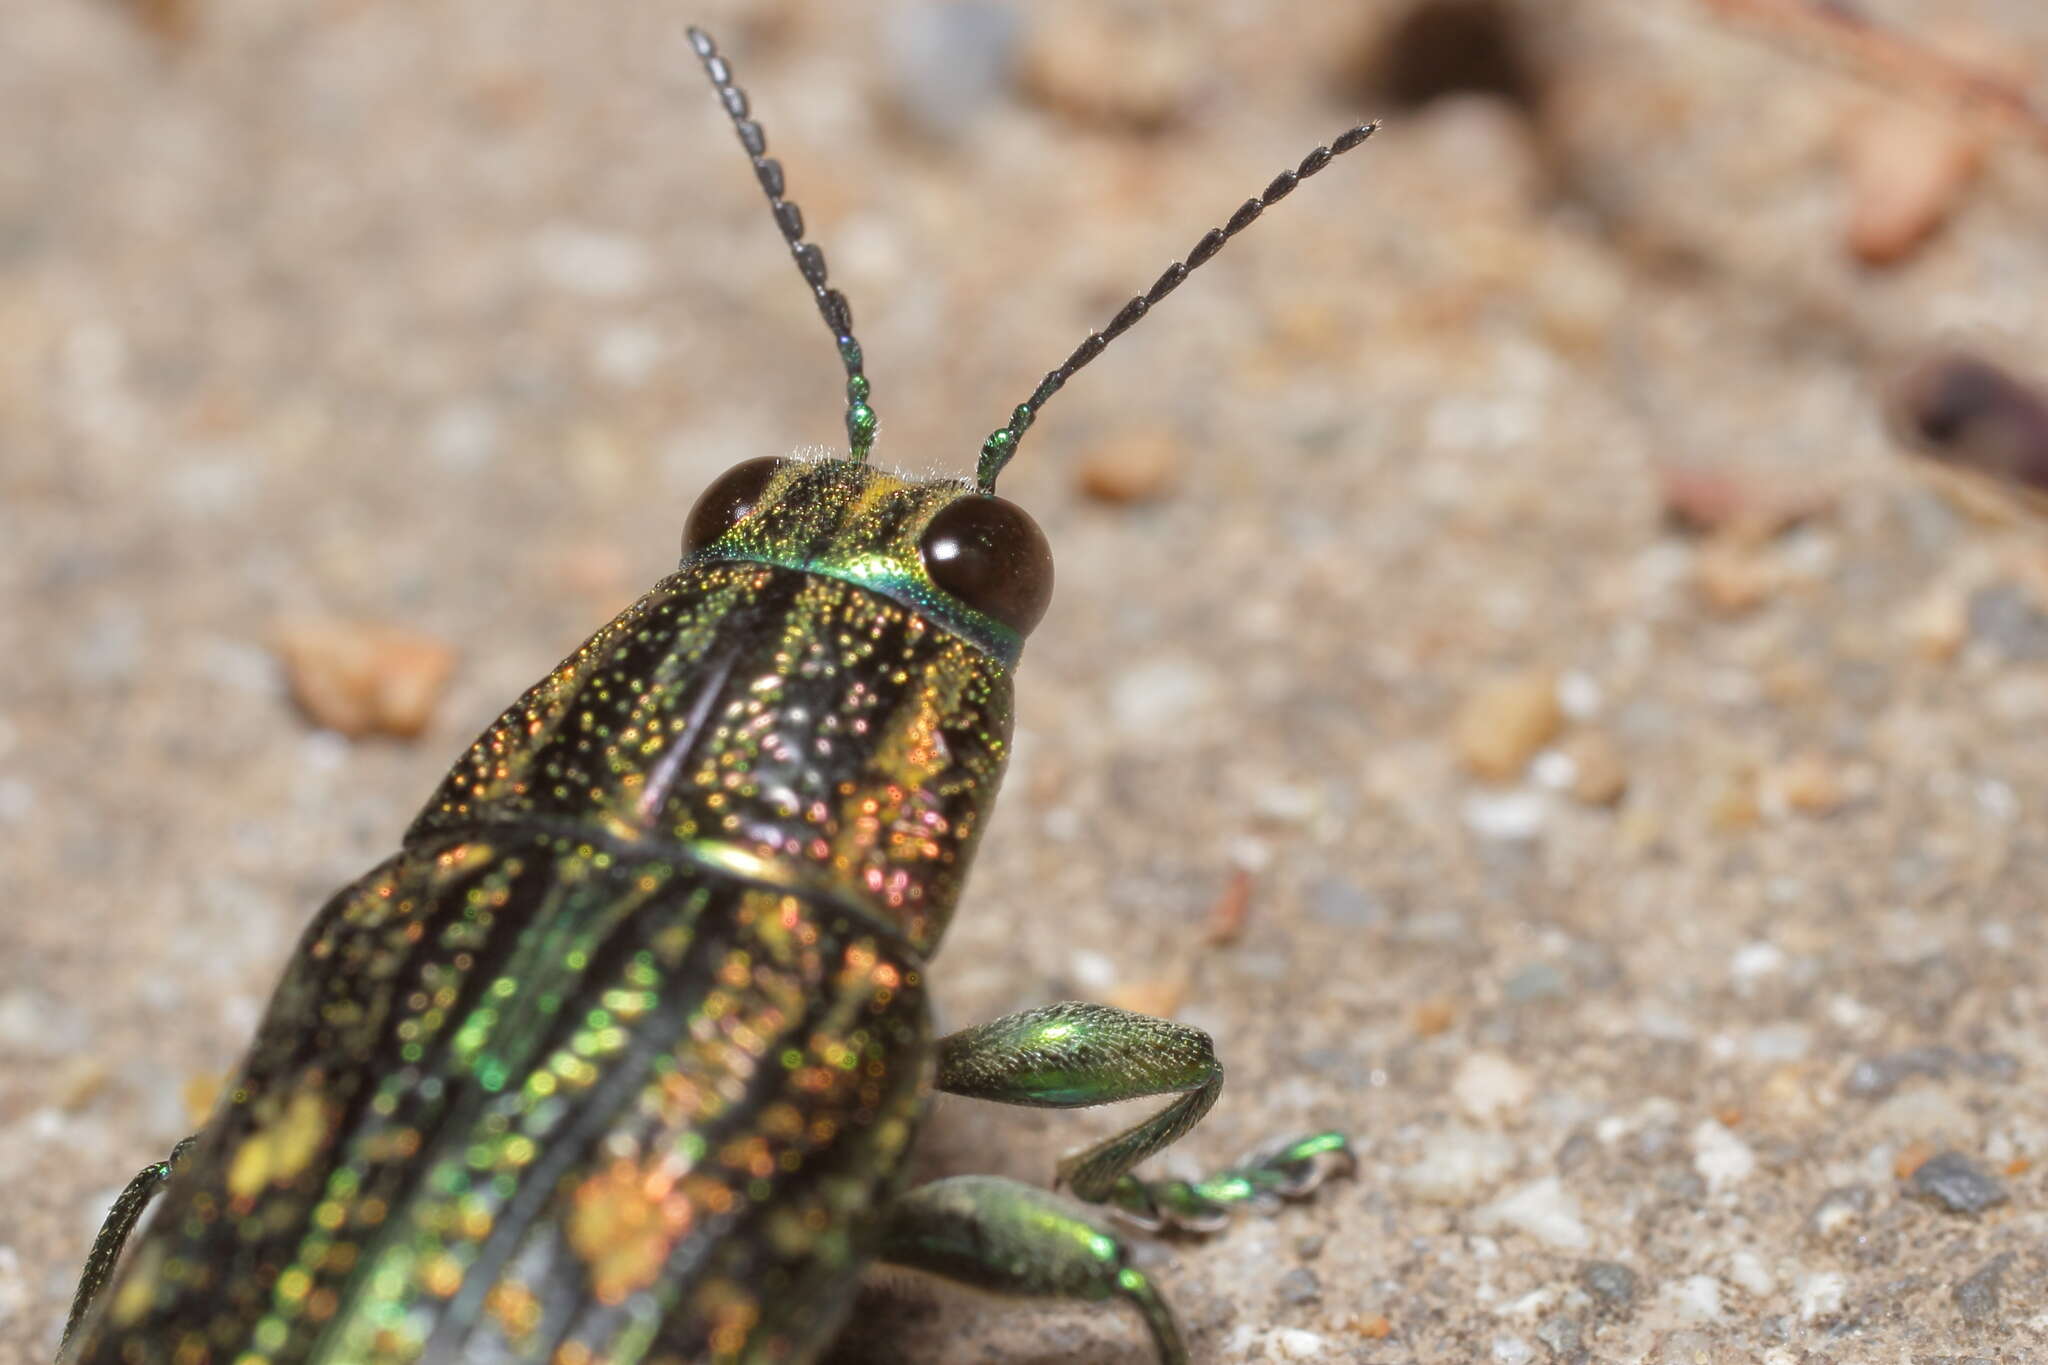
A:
[1873,1078]
[1957,1183]
[1299,1286]
[1977,1297]
[2005,615]
[1612,1285]
[1561,1334]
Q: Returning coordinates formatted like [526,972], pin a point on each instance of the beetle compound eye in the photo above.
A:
[731,496]
[991,555]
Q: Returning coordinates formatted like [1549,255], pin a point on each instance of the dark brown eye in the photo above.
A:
[730,497]
[993,557]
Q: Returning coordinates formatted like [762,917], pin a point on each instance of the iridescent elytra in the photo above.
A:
[619,1057]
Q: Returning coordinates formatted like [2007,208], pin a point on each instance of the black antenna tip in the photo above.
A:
[1001,446]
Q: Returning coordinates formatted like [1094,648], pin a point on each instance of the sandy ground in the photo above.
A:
[438,315]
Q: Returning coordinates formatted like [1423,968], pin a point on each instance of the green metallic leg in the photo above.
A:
[1074,1055]
[998,1235]
[113,1235]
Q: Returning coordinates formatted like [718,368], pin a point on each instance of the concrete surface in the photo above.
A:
[440,314]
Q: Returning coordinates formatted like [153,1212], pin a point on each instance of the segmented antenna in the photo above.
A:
[1001,445]
[860,418]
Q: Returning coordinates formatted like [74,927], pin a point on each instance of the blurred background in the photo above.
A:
[1510,680]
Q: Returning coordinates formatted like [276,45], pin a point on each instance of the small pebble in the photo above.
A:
[1489,1087]
[1687,1348]
[1821,1294]
[1956,1183]
[1432,1016]
[1554,770]
[1969,414]
[1294,1344]
[1876,1077]
[1733,579]
[1751,1275]
[1929,1116]
[1612,1285]
[1544,1209]
[1561,1335]
[1694,1299]
[1131,467]
[360,680]
[1977,1297]
[1299,1286]
[1753,962]
[2008,618]
[1739,505]
[1457,1164]
[1504,724]
[1722,1159]
[1838,1210]
[1808,784]
[1505,817]
[1937,624]
[1537,981]
[1512,1351]
[1598,777]
[1579,695]
[1907,167]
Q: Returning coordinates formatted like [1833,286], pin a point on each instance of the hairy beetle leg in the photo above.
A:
[1010,1238]
[113,1234]
[1074,1055]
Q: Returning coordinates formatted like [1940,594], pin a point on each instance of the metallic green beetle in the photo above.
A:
[619,1057]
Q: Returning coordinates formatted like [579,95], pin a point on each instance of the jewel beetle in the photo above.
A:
[619,1057]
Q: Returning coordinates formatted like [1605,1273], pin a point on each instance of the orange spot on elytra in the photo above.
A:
[623,1221]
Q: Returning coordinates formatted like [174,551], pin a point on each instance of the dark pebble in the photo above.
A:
[1299,1286]
[1957,1183]
[1310,1246]
[1612,1285]
[1977,1297]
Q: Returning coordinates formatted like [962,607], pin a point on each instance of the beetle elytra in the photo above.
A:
[619,1056]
